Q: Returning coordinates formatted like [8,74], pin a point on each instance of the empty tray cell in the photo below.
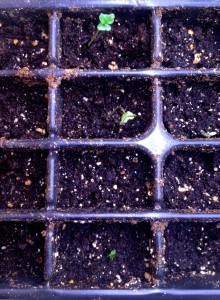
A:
[23,179]
[102,255]
[127,44]
[24,39]
[93,107]
[191,38]
[22,254]
[23,109]
[191,108]
[105,180]
[192,181]
[192,255]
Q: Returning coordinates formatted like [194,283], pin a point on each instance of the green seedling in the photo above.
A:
[208,134]
[112,254]
[128,115]
[106,20]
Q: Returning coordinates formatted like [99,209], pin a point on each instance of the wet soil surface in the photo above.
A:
[23,179]
[23,39]
[191,38]
[107,181]
[93,107]
[83,260]
[192,108]
[192,181]
[192,250]
[23,110]
[22,254]
[127,45]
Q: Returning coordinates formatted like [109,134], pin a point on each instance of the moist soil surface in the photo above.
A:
[23,110]
[23,39]
[192,181]
[23,179]
[191,38]
[127,45]
[105,180]
[82,255]
[92,107]
[192,108]
[193,250]
[22,254]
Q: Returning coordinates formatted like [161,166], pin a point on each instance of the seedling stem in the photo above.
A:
[93,38]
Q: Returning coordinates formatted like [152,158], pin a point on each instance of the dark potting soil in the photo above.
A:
[22,254]
[192,108]
[105,180]
[192,181]
[23,179]
[193,250]
[23,39]
[81,257]
[23,110]
[191,38]
[92,107]
[127,45]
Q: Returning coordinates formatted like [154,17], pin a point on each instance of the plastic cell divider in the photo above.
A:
[156,143]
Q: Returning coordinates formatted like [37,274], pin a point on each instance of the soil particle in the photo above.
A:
[70,73]
[159,226]
[105,181]
[24,73]
[82,259]
[192,181]
[53,81]
[127,45]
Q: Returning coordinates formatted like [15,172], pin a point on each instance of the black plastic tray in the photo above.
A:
[156,143]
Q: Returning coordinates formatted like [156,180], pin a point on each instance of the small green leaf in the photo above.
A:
[103,18]
[111,19]
[106,18]
[105,21]
[102,27]
[126,117]
[112,254]
[208,134]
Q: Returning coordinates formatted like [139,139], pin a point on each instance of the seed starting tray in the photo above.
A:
[156,143]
